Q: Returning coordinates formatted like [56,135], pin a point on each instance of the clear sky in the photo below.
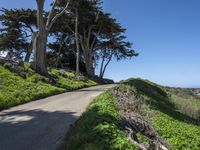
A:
[166,33]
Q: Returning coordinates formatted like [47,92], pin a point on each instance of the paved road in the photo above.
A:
[43,124]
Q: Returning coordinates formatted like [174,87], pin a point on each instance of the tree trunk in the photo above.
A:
[41,41]
[88,59]
[9,56]
[90,65]
[77,45]
[41,53]
[58,57]
[31,48]
[28,54]
[34,39]
[106,65]
[101,70]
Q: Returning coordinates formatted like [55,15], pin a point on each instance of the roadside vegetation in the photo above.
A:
[98,128]
[144,113]
[69,81]
[175,113]
[27,86]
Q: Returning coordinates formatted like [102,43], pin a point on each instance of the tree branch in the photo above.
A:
[51,13]
[93,42]
[73,31]
[101,70]
[104,69]
[89,35]
[57,16]
[28,26]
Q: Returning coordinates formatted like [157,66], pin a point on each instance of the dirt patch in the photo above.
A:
[134,123]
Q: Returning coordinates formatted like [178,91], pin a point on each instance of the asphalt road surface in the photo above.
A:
[43,124]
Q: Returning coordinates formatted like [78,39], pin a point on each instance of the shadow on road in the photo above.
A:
[34,129]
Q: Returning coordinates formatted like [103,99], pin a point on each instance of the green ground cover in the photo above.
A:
[15,89]
[164,108]
[98,128]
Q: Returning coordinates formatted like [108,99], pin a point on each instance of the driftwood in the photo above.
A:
[132,122]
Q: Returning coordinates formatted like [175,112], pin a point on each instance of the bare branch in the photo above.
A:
[94,40]
[97,17]
[106,65]
[57,16]
[27,26]
[51,13]
[89,35]
[73,31]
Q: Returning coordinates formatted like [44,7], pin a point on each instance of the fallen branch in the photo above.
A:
[134,123]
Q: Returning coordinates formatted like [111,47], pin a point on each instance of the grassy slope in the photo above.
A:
[16,90]
[98,128]
[171,117]
[69,81]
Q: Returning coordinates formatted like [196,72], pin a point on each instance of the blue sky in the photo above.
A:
[166,33]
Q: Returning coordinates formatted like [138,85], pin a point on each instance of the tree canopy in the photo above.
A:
[71,33]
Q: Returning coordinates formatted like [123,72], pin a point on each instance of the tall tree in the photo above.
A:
[12,44]
[44,28]
[18,25]
[83,11]
[90,29]
[62,51]
[96,27]
[116,47]
[73,27]
[77,44]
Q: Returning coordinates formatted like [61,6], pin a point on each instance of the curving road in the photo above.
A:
[43,124]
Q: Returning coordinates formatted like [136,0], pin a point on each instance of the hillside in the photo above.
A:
[25,85]
[139,114]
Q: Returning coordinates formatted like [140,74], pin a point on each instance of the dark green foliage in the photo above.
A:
[15,35]
[98,128]
[99,36]
[103,81]
[108,81]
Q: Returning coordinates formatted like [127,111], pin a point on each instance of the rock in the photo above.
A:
[15,68]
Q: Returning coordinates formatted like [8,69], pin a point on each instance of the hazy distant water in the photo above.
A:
[198,94]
